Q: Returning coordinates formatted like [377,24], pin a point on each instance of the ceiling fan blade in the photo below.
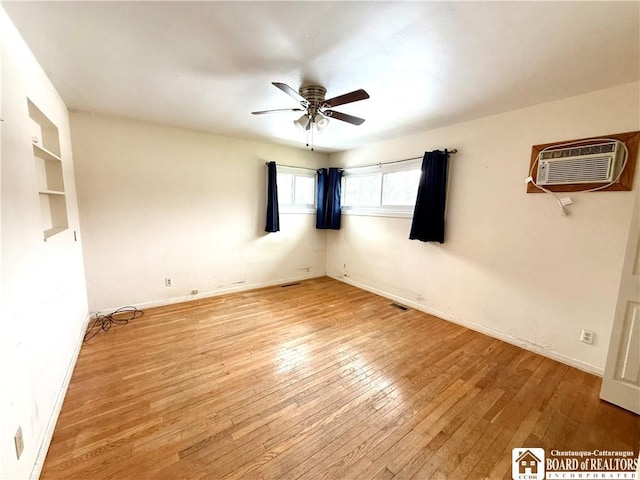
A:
[289,91]
[344,117]
[262,112]
[354,96]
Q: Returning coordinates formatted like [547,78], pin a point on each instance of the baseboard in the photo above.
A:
[215,293]
[53,418]
[519,342]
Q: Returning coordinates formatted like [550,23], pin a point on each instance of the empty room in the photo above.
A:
[319,240]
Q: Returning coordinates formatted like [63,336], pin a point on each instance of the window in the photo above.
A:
[361,190]
[400,188]
[386,190]
[296,190]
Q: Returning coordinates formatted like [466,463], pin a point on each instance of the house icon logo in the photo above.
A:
[527,464]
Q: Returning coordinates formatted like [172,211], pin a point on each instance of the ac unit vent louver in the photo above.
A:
[579,151]
[598,163]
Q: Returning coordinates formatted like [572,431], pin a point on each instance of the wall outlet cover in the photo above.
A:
[587,336]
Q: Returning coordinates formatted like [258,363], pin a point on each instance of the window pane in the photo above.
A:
[362,190]
[400,188]
[285,188]
[304,191]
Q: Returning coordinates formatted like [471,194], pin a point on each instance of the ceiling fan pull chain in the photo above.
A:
[312,128]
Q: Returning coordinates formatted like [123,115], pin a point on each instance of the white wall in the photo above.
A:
[511,265]
[44,306]
[159,201]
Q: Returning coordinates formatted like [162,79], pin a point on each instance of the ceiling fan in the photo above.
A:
[317,110]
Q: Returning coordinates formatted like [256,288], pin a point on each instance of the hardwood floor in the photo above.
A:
[317,380]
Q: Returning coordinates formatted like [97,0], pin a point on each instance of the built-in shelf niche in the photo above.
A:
[45,140]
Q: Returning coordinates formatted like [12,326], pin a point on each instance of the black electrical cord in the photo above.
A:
[121,316]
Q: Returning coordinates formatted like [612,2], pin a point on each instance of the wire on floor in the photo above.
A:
[121,316]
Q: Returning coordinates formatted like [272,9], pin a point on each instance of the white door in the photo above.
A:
[621,382]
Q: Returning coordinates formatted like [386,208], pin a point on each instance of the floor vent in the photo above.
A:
[400,307]
[289,285]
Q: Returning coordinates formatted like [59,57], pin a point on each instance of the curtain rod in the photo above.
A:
[293,166]
[453,151]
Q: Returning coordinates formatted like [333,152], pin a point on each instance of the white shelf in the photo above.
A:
[50,192]
[53,231]
[44,153]
[49,173]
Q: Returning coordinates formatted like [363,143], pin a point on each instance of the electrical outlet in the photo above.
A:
[168,282]
[587,336]
[19,441]
[194,292]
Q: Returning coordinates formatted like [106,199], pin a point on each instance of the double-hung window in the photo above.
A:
[296,190]
[387,190]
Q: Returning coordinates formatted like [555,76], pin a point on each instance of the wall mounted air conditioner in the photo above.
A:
[596,163]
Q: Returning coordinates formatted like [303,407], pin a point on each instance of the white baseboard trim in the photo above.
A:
[45,441]
[518,342]
[215,293]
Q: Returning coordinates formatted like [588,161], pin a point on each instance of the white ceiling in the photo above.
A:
[207,65]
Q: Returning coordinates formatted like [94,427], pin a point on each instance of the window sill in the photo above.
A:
[296,210]
[378,212]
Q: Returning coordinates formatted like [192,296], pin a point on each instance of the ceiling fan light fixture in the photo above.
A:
[321,122]
[302,122]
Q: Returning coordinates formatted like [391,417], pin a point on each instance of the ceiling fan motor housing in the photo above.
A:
[314,94]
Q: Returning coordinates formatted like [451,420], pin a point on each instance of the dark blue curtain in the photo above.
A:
[328,213]
[273,214]
[428,215]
